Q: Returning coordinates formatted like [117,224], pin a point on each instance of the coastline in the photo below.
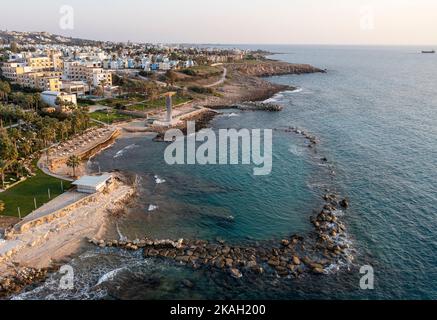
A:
[242,88]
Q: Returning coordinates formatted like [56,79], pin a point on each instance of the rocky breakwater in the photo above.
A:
[312,140]
[273,68]
[258,106]
[289,257]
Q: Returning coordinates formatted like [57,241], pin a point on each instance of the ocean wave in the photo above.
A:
[296,91]
[123,151]
[110,275]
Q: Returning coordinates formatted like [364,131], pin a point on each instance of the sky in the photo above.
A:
[349,22]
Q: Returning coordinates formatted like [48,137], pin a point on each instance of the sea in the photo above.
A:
[374,114]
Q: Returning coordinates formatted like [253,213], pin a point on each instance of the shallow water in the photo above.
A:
[374,113]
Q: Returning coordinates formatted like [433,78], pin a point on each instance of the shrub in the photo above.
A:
[201,90]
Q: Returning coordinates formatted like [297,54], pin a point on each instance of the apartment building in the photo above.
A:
[90,73]
[45,81]
[12,69]
[40,63]
[78,88]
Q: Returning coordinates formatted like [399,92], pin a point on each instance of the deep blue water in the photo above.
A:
[375,114]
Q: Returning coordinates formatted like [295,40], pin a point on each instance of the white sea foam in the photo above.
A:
[123,151]
[159,180]
[152,207]
[110,275]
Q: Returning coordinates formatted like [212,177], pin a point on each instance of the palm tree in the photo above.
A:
[73,162]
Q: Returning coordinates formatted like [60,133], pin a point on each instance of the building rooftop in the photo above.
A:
[92,181]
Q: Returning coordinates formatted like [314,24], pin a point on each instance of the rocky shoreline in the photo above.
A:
[292,256]
[273,68]
[258,106]
[23,277]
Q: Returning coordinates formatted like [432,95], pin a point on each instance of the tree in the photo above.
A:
[99,91]
[5,90]
[171,77]
[14,47]
[73,162]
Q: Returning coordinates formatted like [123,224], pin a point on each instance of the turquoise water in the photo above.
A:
[375,114]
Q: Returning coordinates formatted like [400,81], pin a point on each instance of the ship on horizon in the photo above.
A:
[428,51]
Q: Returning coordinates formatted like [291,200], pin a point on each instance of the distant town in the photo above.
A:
[66,71]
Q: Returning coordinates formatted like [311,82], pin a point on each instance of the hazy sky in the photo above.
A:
[233,21]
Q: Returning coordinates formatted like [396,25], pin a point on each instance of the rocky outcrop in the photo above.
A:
[258,106]
[23,277]
[273,68]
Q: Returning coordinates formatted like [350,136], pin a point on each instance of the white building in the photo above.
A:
[93,184]
[50,97]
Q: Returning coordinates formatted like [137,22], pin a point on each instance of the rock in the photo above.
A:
[344,203]
[285,242]
[226,250]
[153,253]
[229,262]
[235,273]
[316,266]
[183,258]
[318,271]
[187,283]
[273,263]
[296,260]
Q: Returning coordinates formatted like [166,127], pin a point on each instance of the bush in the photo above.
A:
[119,106]
[201,90]
[86,101]
[145,73]
[189,72]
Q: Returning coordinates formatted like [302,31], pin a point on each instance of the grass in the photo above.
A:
[122,101]
[109,118]
[23,194]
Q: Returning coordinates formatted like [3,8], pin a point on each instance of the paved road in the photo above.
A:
[221,81]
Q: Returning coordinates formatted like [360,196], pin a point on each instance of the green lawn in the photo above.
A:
[109,118]
[122,101]
[22,195]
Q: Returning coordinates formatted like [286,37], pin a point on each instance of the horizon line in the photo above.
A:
[234,43]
